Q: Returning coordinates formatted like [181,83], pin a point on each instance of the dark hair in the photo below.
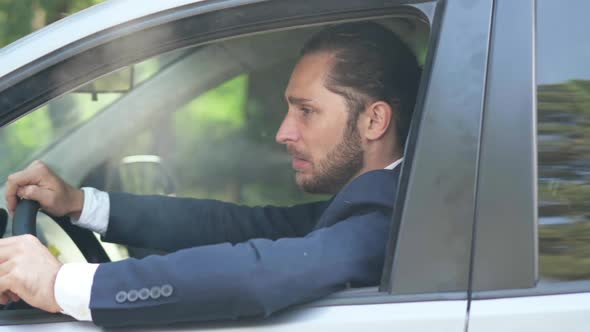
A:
[370,64]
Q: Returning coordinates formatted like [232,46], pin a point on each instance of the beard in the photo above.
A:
[337,168]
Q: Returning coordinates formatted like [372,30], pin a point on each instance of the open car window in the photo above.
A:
[196,122]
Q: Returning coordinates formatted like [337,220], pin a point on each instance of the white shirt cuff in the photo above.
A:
[95,212]
[73,286]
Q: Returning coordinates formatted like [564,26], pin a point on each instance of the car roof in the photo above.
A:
[78,26]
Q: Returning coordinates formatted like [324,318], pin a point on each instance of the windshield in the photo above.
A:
[27,137]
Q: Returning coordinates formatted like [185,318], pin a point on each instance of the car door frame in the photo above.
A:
[510,120]
[420,266]
[506,291]
[508,158]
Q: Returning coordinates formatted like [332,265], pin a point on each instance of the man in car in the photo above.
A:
[350,99]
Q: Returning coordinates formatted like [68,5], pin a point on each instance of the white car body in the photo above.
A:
[435,289]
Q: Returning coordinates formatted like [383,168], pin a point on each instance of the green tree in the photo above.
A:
[18,18]
[564,179]
[21,17]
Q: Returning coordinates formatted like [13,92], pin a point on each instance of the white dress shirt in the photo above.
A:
[73,284]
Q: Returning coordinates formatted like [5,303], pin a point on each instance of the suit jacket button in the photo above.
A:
[155,292]
[132,295]
[144,294]
[121,297]
[167,290]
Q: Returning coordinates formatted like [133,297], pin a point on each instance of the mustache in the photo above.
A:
[296,153]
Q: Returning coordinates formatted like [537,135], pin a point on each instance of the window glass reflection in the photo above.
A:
[563,106]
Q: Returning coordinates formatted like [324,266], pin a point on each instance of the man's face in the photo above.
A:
[325,152]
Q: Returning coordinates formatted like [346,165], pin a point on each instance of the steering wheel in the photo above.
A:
[25,222]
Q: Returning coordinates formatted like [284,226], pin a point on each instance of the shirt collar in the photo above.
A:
[395,163]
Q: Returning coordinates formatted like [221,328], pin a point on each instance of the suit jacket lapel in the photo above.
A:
[370,191]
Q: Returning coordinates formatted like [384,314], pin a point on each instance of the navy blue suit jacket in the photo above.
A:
[232,261]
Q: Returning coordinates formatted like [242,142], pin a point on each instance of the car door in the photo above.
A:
[427,269]
[530,270]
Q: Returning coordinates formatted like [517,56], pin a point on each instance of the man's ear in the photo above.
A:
[378,117]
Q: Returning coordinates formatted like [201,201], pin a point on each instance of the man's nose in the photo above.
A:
[288,131]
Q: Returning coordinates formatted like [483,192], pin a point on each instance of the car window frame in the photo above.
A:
[347,10]
[515,24]
[509,216]
[445,186]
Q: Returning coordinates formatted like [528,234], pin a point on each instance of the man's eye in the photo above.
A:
[306,110]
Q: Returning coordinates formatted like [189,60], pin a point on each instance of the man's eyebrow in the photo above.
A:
[297,100]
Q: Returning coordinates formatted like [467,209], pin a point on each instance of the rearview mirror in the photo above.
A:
[120,81]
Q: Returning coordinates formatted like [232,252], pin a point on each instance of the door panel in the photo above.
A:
[443,316]
[52,327]
[532,245]
[537,313]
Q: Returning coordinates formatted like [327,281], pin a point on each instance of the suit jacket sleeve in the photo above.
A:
[172,223]
[252,278]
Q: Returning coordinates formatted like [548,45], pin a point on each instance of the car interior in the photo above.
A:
[196,122]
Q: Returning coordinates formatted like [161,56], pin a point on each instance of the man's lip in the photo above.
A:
[299,163]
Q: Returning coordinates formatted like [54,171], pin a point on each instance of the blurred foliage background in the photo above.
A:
[18,18]
[564,179]
[563,140]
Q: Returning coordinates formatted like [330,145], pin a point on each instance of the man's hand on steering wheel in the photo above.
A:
[39,183]
[28,271]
